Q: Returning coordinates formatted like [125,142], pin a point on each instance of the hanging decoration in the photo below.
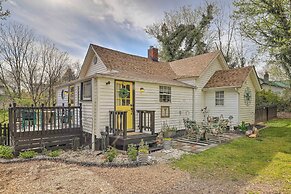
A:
[123,93]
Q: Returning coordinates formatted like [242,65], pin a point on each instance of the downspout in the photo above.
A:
[193,103]
[238,105]
[93,112]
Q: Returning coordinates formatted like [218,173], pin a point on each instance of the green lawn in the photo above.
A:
[265,159]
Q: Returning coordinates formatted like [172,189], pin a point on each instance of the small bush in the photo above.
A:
[54,153]
[243,126]
[132,152]
[110,154]
[6,152]
[28,154]
[143,148]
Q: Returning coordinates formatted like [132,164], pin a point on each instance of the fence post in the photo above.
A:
[42,117]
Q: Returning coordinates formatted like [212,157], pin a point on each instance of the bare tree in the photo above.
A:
[29,66]
[34,74]
[16,42]
[55,62]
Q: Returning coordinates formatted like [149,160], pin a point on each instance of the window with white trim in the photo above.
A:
[165,94]
[219,98]
[86,90]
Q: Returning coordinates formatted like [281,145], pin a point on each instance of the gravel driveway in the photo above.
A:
[53,177]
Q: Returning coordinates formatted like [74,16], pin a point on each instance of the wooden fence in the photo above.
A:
[45,127]
[4,134]
[266,113]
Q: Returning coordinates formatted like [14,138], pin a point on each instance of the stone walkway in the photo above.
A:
[181,148]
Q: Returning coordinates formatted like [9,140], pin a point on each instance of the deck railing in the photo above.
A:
[146,121]
[118,123]
[33,127]
[4,134]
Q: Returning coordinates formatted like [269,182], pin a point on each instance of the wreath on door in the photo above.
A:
[123,93]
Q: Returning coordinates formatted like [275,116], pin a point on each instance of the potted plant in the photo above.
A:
[167,143]
[143,152]
[168,131]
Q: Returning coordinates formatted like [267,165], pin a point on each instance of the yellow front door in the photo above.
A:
[124,100]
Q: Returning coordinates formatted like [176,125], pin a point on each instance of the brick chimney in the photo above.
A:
[153,53]
[266,77]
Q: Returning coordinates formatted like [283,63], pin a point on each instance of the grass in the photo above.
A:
[267,158]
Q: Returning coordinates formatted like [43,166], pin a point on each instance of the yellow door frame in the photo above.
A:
[131,108]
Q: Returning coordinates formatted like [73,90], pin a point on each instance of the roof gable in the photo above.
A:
[193,66]
[229,78]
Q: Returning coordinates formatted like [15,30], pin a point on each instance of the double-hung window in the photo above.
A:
[219,98]
[86,90]
[165,94]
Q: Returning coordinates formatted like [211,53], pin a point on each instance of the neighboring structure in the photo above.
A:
[277,87]
[111,80]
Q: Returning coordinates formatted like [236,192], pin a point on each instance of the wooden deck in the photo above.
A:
[131,138]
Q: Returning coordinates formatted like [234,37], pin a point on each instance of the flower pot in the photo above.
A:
[167,145]
[143,158]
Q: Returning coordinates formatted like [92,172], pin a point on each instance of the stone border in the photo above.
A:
[86,164]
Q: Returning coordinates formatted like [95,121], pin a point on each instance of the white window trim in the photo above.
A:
[219,98]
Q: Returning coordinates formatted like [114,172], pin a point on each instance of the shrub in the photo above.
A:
[54,153]
[243,126]
[110,154]
[132,152]
[143,148]
[6,152]
[28,154]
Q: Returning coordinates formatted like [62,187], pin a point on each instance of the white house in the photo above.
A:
[277,87]
[114,81]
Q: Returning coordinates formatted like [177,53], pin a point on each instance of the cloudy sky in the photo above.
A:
[74,24]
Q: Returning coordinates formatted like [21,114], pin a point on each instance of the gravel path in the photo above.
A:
[52,177]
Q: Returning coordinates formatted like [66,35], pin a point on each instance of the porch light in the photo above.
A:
[141,90]
[108,83]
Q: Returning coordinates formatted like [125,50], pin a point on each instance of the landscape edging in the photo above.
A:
[103,165]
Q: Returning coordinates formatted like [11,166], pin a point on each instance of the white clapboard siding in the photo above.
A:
[247,112]
[230,107]
[180,106]
[105,95]
[199,95]
[60,100]
[99,67]
[87,117]
[190,81]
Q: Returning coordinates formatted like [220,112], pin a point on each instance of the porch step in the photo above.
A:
[157,148]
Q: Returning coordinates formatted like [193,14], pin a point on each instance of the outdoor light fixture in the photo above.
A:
[141,89]
[108,83]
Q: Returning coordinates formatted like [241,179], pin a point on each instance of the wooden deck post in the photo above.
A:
[153,122]
[124,124]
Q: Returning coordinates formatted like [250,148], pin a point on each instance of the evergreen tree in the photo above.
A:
[182,33]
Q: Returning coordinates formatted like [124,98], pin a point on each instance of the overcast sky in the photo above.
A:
[74,24]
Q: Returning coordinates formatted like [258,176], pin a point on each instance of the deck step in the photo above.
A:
[157,148]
